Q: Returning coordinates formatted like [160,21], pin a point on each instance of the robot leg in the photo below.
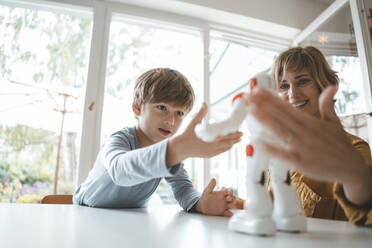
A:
[287,207]
[256,218]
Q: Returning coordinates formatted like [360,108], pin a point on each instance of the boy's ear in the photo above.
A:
[136,109]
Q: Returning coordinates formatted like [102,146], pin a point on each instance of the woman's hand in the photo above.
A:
[318,148]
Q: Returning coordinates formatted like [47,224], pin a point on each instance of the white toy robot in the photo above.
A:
[259,216]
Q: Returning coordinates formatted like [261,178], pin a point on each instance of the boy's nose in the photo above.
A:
[170,120]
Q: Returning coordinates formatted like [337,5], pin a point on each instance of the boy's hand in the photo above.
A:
[188,145]
[215,202]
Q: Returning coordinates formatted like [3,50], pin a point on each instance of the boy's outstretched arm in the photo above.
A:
[188,145]
[215,202]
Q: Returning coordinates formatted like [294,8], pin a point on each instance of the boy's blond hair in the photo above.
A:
[164,85]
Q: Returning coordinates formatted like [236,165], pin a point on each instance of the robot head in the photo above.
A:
[263,79]
[256,130]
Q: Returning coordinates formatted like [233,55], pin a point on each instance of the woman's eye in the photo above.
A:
[283,86]
[303,82]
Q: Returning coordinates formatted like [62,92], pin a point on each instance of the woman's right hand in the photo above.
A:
[317,148]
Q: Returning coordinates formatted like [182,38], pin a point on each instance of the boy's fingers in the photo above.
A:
[200,115]
[227,144]
[230,205]
[224,149]
[224,144]
[228,141]
[228,213]
[210,186]
[230,136]
[227,191]
[229,198]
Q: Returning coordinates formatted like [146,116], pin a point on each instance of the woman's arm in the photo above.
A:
[317,148]
[359,192]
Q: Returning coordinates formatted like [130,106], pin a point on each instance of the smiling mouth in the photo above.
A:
[300,104]
[164,132]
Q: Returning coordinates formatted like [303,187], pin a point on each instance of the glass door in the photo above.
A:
[337,39]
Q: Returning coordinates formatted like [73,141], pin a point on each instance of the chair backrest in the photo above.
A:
[57,199]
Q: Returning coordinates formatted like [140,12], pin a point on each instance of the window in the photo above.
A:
[232,65]
[43,67]
[43,71]
[336,39]
[135,48]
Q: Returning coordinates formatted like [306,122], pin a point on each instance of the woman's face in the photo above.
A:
[300,90]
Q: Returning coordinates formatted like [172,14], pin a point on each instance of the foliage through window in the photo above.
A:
[43,67]
[232,65]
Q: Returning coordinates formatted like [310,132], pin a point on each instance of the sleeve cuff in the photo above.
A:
[163,170]
[174,169]
[192,207]
[356,214]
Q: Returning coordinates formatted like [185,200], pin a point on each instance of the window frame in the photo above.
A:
[103,12]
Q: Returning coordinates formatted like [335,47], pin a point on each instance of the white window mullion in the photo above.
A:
[364,47]
[206,39]
[91,131]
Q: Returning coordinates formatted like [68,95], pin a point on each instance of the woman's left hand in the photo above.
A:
[317,148]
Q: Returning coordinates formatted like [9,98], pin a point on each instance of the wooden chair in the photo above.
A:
[57,199]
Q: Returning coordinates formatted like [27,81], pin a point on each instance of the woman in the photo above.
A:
[331,169]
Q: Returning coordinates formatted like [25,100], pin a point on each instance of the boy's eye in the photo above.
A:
[180,113]
[161,107]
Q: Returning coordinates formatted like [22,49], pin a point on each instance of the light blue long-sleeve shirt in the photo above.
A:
[125,176]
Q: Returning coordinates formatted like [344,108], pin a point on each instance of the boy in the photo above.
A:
[131,165]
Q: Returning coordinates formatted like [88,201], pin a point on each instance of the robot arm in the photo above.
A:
[208,132]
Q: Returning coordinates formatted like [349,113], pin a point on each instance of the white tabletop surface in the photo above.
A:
[43,225]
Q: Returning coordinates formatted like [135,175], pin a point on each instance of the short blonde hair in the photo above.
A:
[164,85]
[299,58]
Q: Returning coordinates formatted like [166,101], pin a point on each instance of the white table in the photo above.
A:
[41,225]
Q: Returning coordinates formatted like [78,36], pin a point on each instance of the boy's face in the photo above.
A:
[158,121]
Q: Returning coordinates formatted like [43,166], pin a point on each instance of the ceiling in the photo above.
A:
[277,21]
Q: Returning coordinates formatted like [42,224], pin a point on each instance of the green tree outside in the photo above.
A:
[27,154]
